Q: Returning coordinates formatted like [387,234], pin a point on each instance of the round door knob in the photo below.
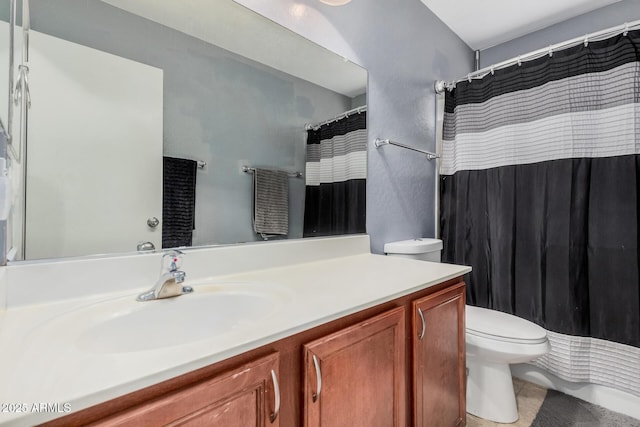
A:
[153,222]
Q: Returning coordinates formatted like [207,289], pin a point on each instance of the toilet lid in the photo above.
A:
[501,326]
[415,246]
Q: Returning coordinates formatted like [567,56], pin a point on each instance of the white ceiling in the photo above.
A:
[235,28]
[486,23]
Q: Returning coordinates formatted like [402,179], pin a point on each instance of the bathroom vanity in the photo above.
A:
[350,336]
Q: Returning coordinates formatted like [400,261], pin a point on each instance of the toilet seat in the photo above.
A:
[499,326]
[506,339]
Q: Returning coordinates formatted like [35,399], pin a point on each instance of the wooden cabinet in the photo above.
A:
[373,370]
[356,376]
[439,358]
[242,397]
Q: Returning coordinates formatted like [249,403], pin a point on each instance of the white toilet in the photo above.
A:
[493,339]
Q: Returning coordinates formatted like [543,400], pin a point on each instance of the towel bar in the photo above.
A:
[248,169]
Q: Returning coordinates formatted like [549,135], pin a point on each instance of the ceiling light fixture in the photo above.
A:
[335,2]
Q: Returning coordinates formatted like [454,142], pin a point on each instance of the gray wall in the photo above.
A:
[405,47]
[218,107]
[599,19]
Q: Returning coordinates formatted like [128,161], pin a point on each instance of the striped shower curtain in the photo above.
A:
[336,172]
[540,194]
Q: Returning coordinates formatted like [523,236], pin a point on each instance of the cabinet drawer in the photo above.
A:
[240,397]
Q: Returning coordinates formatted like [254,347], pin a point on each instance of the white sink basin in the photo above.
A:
[125,325]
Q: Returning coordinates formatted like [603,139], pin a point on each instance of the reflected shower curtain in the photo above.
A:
[336,172]
[540,194]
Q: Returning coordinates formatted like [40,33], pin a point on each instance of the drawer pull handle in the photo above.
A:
[276,392]
[316,395]
[424,325]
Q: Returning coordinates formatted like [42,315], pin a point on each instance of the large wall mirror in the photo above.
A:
[150,121]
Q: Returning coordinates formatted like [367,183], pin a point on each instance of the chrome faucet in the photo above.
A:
[170,282]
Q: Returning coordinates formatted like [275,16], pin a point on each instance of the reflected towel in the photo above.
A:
[178,201]
[270,202]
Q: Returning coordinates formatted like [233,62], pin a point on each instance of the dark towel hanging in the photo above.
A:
[178,201]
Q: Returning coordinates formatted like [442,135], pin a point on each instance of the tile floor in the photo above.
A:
[529,398]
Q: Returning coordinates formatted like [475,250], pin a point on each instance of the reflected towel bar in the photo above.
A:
[380,142]
[248,169]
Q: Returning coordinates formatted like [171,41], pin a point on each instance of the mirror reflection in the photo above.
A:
[5,6]
[169,124]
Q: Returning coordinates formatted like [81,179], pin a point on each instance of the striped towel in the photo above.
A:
[270,202]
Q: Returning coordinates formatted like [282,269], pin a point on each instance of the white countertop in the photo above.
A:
[40,361]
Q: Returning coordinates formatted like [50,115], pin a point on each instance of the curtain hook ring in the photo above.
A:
[550,51]
[519,61]
[492,71]
[469,77]
[586,40]
[626,29]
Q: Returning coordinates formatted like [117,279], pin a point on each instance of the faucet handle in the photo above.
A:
[179,276]
[172,260]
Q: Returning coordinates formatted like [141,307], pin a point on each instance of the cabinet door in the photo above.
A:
[243,397]
[439,358]
[356,376]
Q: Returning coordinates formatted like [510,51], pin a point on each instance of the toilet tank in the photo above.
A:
[425,249]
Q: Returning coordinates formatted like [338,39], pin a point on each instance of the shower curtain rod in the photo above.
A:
[338,117]
[441,85]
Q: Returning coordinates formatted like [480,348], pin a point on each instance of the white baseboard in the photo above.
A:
[610,398]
